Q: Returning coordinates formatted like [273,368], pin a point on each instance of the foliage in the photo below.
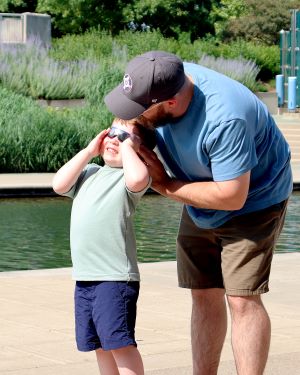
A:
[224,12]
[92,45]
[15,5]
[35,139]
[77,16]
[171,17]
[253,20]
[259,20]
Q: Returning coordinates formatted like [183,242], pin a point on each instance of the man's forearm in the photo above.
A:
[208,195]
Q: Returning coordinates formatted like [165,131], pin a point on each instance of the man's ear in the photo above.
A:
[172,103]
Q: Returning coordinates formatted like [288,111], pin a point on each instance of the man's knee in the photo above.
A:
[245,304]
[208,296]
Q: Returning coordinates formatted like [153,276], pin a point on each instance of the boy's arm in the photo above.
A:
[68,174]
[135,171]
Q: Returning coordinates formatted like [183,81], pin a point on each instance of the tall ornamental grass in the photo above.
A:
[35,139]
[241,70]
[28,69]
[267,58]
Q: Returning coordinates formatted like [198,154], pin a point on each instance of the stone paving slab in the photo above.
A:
[37,326]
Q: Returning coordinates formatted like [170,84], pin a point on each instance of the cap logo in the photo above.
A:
[127,83]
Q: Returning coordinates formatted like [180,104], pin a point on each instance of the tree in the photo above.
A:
[261,20]
[77,16]
[226,11]
[17,6]
[171,17]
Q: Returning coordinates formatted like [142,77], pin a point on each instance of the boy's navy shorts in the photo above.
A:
[105,314]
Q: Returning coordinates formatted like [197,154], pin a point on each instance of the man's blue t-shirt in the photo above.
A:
[226,132]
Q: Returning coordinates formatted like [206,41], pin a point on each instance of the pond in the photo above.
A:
[35,231]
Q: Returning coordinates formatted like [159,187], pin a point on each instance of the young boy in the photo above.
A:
[103,245]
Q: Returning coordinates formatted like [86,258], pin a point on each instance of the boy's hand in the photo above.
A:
[95,146]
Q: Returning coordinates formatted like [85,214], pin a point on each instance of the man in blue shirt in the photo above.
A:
[229,164]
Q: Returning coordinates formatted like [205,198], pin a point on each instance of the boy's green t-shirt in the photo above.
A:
[102,235]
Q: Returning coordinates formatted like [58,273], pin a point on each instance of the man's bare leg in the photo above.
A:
[251,333]
[208,329]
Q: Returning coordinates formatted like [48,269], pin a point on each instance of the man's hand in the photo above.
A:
[155,167]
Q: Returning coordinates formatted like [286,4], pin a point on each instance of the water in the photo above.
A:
[34,233]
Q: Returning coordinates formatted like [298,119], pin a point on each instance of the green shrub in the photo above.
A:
[35,139]
[93,45]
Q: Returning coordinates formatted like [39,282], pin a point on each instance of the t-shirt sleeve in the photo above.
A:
[136,196]
[87,172]
[231,150]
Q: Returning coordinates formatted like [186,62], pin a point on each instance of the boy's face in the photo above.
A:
[111,144]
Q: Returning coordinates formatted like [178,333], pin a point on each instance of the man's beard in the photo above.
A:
[160,118]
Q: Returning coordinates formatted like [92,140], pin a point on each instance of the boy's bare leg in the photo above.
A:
[106,363]
[208,329]
[129,361]
[251,332]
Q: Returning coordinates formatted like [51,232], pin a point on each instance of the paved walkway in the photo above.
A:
[37,332]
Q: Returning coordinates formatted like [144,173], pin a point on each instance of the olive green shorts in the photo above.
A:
[236,256]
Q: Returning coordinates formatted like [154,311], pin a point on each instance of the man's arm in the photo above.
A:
[68,174]
[224,195]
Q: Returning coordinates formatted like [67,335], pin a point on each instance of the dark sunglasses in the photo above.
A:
[116,132]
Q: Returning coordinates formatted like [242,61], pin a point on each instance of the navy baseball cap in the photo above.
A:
[149,78]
